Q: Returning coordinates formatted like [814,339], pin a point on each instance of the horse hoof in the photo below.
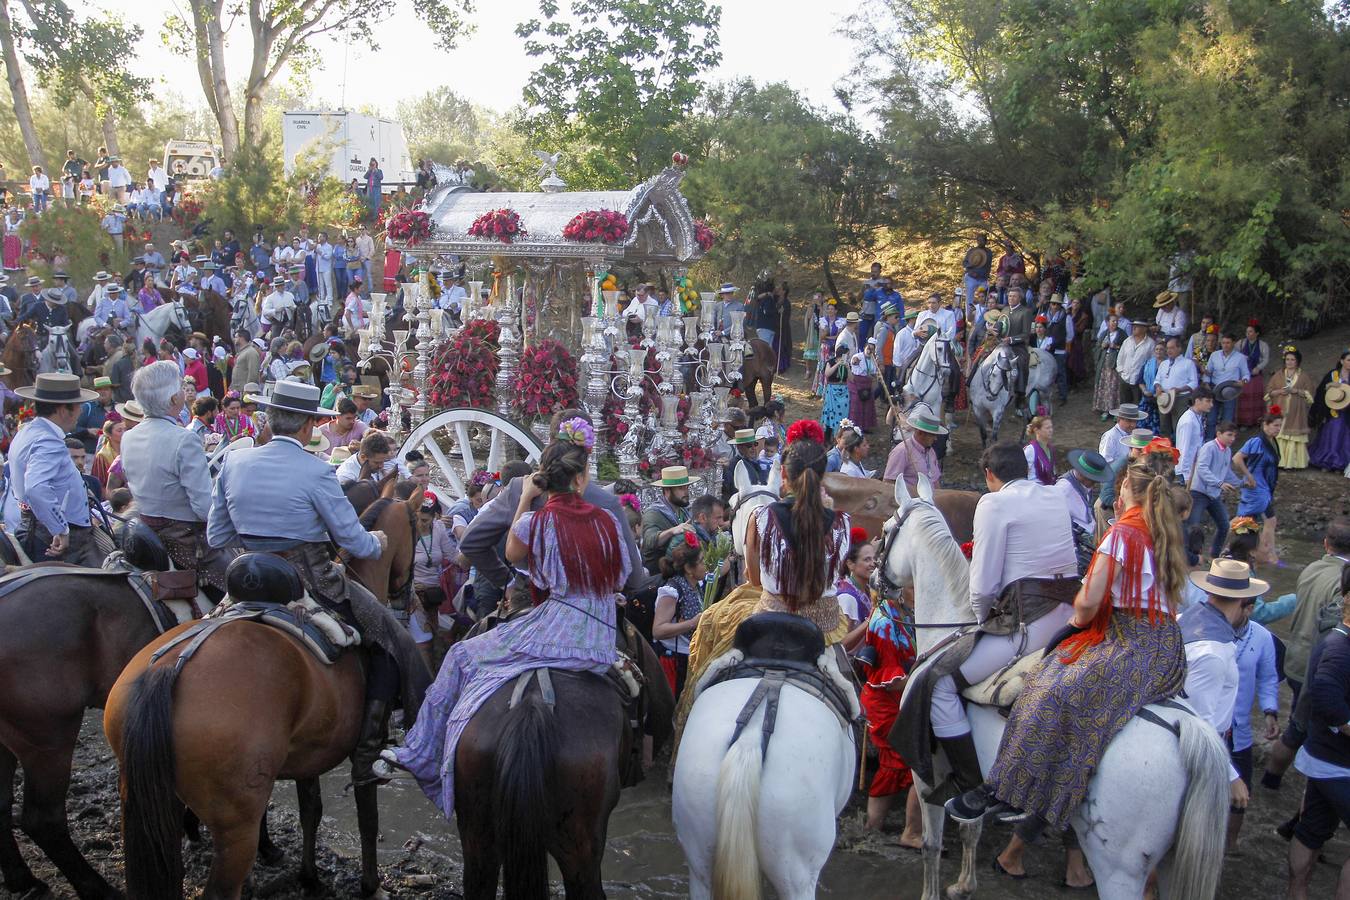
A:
[957,893]
[271,857]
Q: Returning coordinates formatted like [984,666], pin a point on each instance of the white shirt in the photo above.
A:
[282,256]
[636,308]
[1190,438]
[158,178]
[860,365]
[1172,321]
[118,176]
[276,305]
[355,315]
[1133,354]
[1079,502]
[1177,373]
[1021,531]
[1212,682]
[945,320]
[1229,367]
[40,183]
[904,347]
[323,257]
[1111,447]
[96,296]
[453,298]
[350,470]
[1112,545]
[847,339]
[855,469]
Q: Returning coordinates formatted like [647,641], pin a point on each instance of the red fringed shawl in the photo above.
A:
[588,544]
[1132,531]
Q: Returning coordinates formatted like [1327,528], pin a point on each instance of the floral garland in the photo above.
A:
[704,235]
[546,381]
[464,372]
[500,224]
[410,226]
[601,226]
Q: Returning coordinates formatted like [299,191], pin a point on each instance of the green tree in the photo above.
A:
[84,58]
[780,178]
[18,89]
[252,193]
[616,83]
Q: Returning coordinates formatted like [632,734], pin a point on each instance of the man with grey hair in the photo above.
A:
[279,499]
[166,471]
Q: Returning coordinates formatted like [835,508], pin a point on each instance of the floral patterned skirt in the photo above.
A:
[1068,714]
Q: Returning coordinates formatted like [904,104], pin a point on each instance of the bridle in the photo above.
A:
[890,588]
[934,378]
[741,498]
[994,360]
[404,591]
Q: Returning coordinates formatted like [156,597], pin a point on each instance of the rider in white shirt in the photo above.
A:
[277,308]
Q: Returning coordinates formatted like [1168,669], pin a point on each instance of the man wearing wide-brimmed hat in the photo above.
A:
[51,312]
[112,308]
[744,444]
[115,223]
[1209,635]
[101,282]
[1127,416]
[279,499]
[915,456]
[668,518]
[166,470]
[31,296]
[55,524]
[1088,470]
[94,413]
[1171,318]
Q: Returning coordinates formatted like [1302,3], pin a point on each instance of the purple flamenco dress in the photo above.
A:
[573,630]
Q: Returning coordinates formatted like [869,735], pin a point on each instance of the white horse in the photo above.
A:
[932,377]
[243,317]
[155,324]
[742,809]
[991,392]
[59,354]
[1158,798]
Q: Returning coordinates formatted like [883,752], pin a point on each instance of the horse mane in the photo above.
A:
[942,547]
[374,511]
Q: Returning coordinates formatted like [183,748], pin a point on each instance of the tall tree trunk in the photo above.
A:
[22,111]
[829,278]
[109,125]
[213,73]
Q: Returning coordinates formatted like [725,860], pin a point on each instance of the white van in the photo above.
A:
[191,160]
[346,142]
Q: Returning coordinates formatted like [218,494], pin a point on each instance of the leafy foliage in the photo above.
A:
[71,234]
[613,91]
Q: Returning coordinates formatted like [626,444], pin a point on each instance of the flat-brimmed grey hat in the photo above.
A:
[1128,411]
[296,397]
[56,387]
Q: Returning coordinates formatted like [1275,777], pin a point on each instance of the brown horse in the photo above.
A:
[870,503]
[56,661]
[538,781]
[20,356]
[209,313]
[252,707]
[759,369]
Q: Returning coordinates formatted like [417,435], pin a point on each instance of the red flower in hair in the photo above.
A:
[691,539]
[805,428]
[1276,411]
[857,535]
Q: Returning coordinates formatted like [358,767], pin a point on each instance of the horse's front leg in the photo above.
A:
[368,823]
[970,844]
[934,818]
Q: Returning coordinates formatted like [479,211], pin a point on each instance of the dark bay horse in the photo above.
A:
[20,356]
[214,735]
[64,639]
[538,781]
[209,313]
[870,503]
[759,369]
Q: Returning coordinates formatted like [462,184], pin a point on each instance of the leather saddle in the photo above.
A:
[143,550]
[779,637]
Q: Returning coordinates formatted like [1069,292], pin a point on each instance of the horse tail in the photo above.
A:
[1198,853]
[151,812]
[522,797]
[736,854]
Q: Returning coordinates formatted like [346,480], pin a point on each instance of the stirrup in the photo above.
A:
[387,767]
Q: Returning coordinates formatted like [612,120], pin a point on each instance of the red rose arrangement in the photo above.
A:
[615,425]
[498,224]
[704,235]
[484,330]
[602,226]
[464,372]
[187,211]
[409,226]
[546,380]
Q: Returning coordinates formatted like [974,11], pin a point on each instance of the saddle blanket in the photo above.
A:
[321,632]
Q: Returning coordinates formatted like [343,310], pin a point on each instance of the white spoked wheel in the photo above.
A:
[458,442]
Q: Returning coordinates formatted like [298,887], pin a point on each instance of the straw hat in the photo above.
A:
[853,318]
[675,476]
[1229,578]
[1169,399]
[1337,396]
[131,411]
[55,387]
[318,444]
[340,455]
[1164,299]
[101,382]
[744,436]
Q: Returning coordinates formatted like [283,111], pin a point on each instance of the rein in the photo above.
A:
[758,492]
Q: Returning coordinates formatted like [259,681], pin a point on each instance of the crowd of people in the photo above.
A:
[1101,558]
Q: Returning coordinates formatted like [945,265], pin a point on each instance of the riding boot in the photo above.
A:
[965,776]
[374,723]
